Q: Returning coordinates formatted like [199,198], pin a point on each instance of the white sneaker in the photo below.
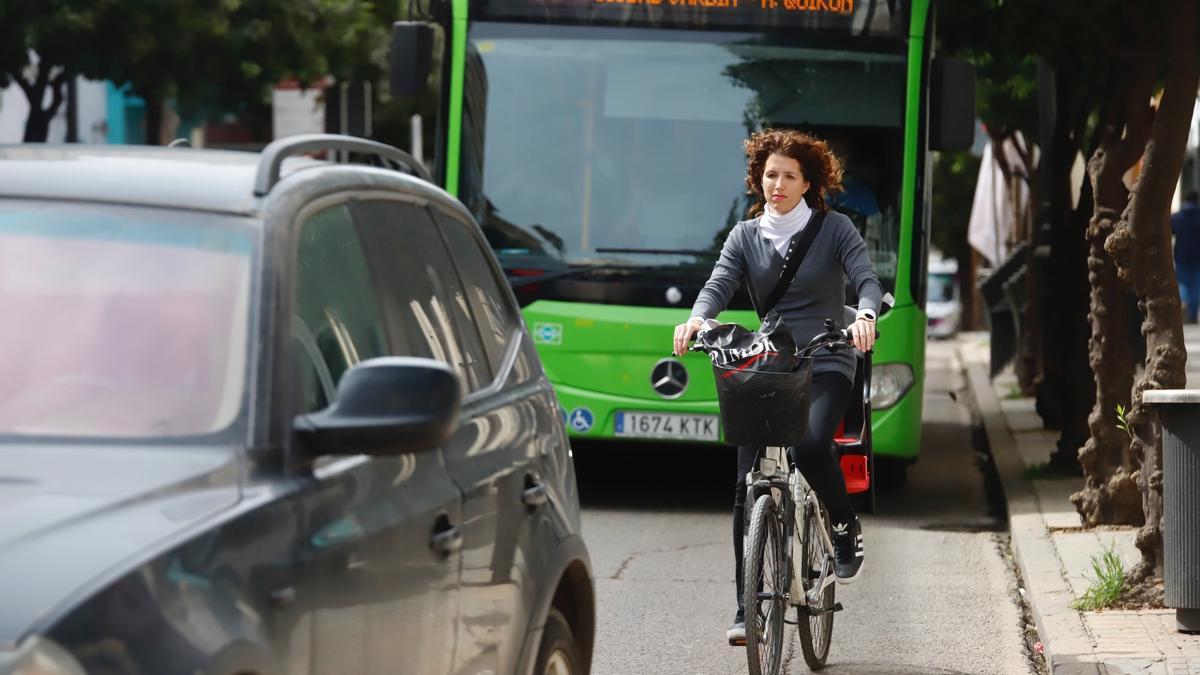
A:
[736,635]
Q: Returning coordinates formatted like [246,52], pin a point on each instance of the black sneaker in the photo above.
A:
[847,551]
[737,632]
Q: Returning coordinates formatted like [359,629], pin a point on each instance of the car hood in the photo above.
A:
[74,517]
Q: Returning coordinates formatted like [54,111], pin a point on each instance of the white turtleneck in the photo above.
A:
[780,228]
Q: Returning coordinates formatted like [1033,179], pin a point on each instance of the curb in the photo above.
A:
[1066,646]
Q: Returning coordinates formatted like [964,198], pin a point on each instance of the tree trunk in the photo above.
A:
[1067,329]
[1110,494]
[154,120]
[1061,402]
[37,123]
[1029,366]
[1141,247]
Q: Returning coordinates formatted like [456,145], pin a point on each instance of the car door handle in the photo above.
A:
[535,495]
[448,541]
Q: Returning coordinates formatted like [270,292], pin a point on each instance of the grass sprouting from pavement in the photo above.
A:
[1107,583]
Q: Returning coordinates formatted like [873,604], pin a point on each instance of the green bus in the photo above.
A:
[599,145]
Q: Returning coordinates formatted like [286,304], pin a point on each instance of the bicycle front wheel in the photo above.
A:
[765,584]
[814,621]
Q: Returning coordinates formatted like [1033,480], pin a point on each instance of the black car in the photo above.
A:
[264,413]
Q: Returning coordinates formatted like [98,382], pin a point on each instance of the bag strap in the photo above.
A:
[797,250]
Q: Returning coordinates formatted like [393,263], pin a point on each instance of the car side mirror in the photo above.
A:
[952,104]
[410,57]
[384,406]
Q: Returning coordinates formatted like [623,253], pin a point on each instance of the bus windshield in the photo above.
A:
[623,146]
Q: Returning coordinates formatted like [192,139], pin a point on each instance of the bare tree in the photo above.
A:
[1141,247]
[1110,494]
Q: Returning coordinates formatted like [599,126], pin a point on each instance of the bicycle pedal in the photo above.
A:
[837,607]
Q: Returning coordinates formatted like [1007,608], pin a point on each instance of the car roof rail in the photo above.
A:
[273,155]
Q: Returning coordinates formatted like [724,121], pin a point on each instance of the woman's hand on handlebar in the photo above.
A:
[862,334]
[684,333]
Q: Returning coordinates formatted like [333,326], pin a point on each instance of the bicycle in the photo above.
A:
[775,579]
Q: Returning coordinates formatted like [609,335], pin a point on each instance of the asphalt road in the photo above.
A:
[936,595]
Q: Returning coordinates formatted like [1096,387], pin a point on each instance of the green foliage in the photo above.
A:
[1005,38]
[1107,582]
[1123,421]
[954,176]
[225,53]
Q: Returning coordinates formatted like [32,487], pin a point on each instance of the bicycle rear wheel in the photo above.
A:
[816,630]
[764,587]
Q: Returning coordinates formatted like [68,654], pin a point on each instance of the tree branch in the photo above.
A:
[56,89]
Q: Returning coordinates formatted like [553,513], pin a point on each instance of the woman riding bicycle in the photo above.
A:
[789,172]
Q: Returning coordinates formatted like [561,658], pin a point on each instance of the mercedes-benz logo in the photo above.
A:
[669,378]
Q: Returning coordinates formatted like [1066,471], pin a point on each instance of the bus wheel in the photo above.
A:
[890,473]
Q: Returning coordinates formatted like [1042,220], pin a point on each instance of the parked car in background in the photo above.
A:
[944,305]
[266,414]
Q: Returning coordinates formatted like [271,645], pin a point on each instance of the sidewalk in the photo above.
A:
[1053,550]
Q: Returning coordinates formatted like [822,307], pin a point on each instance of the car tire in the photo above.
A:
[558,653]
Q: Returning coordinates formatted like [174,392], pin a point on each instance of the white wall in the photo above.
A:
[13,110]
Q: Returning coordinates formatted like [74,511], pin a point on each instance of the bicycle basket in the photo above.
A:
[761,408]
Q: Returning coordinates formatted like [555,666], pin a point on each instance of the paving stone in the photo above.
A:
[1055,553]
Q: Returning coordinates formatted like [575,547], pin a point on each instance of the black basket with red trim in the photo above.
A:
[761,408]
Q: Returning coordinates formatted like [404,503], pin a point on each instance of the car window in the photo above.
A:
[425,300]
[338,321]
[489,297]
[122,322]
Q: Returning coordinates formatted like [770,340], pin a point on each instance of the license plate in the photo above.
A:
[668,425]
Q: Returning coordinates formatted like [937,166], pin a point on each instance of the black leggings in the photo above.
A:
[829,395]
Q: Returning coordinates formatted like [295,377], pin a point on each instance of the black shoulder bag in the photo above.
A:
[797,249]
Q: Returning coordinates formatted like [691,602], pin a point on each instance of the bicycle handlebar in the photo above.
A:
[833,340]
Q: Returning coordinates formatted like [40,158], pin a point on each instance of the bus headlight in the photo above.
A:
[889,383]
[41,656]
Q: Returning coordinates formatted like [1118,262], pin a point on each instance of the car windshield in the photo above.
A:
[637,157]
[941,287]
[121,322]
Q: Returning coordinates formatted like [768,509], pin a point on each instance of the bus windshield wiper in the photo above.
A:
[657,251]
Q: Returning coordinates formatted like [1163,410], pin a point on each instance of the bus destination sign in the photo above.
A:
[876,18]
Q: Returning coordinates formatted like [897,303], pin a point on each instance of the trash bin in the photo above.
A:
[1179,414]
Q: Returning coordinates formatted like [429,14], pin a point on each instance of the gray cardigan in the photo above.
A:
[818,291]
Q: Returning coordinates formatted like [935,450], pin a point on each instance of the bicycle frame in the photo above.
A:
[773,476]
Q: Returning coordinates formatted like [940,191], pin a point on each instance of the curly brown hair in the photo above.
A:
[819,165]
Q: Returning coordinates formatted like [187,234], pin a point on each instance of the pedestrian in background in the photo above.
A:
[1185,223]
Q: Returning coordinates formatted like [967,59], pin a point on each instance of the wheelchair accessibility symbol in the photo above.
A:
[548,333]
[581,420]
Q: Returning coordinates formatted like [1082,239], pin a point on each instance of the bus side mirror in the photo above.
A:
[952,104]
[410,57]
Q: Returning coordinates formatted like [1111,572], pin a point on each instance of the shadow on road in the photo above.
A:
[945,490]
[655,476]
